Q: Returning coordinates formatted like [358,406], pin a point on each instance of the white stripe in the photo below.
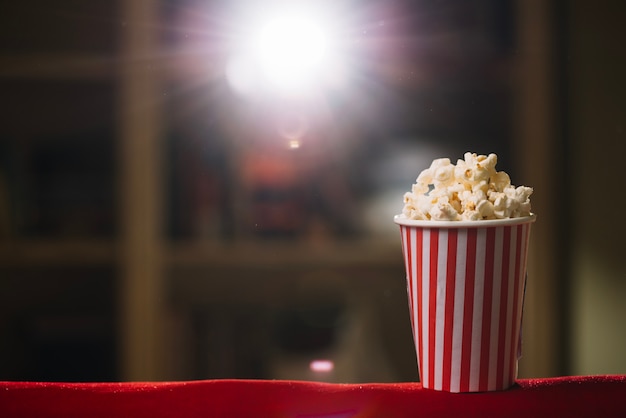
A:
[509,308]
[416,303]
[425,289]
[405,244]
[477,320]
[457,323]
[495,307]
[440,307]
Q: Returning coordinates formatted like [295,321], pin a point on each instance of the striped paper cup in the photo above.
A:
[465,282]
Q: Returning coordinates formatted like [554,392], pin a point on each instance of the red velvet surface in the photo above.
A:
[592,396]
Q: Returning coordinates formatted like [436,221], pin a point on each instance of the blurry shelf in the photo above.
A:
[272,274]
[249,253]
[87,66]
[57,252]
[57,66]
[285,254]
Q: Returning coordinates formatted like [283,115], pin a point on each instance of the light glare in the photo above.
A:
[286,51]
[290,50]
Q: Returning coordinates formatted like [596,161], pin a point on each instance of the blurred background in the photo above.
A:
[205,189]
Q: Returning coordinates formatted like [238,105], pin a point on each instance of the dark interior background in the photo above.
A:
[258,258]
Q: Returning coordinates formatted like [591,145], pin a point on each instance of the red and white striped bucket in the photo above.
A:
[465,282]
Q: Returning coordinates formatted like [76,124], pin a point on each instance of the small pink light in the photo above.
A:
[324,366]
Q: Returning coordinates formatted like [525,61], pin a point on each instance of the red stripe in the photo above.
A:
[434,251]
[487,306]
[418,303]
[468,309]
[504,292]
[449,313]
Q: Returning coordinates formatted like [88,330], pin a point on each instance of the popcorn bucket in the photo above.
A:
[465,284]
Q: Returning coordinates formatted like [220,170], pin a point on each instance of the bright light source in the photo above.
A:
[289,50]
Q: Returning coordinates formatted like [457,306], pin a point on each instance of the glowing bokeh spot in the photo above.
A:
[322,366]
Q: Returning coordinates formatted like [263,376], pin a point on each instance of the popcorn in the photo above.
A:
[471,190]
